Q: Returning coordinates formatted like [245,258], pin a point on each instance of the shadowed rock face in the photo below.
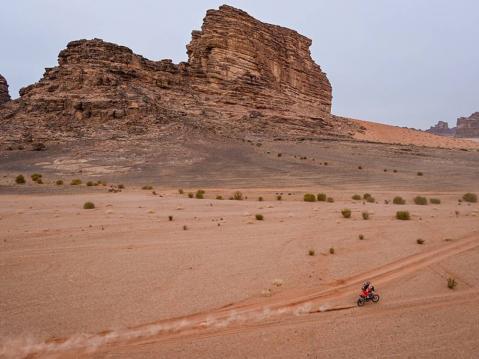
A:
[442,129]
[242,77]
[4,96]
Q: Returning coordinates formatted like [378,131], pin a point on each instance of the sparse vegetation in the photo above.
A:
[346,212]
[121,186]
[238,196]
[399,200]
[451,283]
[170,218]
[20,179]
[403,215]
[35,177]
[39,181]
[370,199]
[200,194]
[280,154]
[89,183]
[59,182]
[180,191]
[434,201]
[366,196]
[185,227]
[361,237]
[356,197]
[260,199]
[420,241]
[365,215]
[75,182]
[331,250]
[309,197]
[219,197]
[259,217]
[395,171]
[420,174]
[88,205]
[147,188]
[330,199]
[470,197]
[421,201]
[360,167]
[321,197]
[190,195]
[279,197]
[311,252]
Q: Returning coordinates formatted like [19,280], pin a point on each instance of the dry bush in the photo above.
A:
[190,195]
[59,182]
[403,215]
[180,191]
[434,201]
[75,182]
[260,199]
[309,197]
[330,199]
[346,212]
[170,218]
[451,283]
[356,197]
[321,197]
[147,188]
[365,215]
[470,197]
[238,196]
[331,250]
[35,177]
[361,237]
[219,197]
[88,205]
[311,252]
[399,200]
[421,201]
[420,241]
[259,217]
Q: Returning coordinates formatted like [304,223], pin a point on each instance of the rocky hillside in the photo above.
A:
[243,77]
[4,96]
[467,127]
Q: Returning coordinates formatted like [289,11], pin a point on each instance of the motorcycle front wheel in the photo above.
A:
[360,302]
[375,298]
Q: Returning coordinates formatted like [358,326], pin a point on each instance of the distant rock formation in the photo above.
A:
[4,96]
[468,126]
[442,129]
[242,77]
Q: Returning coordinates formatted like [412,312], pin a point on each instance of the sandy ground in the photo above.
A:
[123,281]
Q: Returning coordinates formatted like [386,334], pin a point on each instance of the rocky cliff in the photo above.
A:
[242,77]
[468,126]
[442,129]
[4,96]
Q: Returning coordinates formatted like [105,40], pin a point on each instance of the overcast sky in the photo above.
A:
[408,63]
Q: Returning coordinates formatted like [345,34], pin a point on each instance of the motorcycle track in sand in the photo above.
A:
[247,314]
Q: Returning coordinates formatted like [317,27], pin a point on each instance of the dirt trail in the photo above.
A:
[254,312]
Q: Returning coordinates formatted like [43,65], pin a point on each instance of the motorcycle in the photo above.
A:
[373,297]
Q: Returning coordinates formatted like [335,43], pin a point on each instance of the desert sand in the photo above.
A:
[124,281]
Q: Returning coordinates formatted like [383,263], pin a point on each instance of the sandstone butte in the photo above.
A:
[243,78]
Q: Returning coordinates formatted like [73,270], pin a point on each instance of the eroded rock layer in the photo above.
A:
[4,95]
[468,127]
[242,77]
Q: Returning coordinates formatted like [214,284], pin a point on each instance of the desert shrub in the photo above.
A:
[470,197]
[200,194]
[365,215]
[399,200]
[451,283]
[185,227]
[260,199]
[395,171]
[330,199]
[360,167]
[219,197]
[309,197]
[434,200]
[75,182]
[89,183]
[170,218]
[370,199]
[346,212]
[361,237]
[88,205]
[385,170]
[280,154]
[311,252]
[59,182]
[39,181]
[121,186]
[190,195]
[366,196]
[238,196]
[147,188]
[279,197]
[420,174]
[259,217]
[420,241]
[356,197]
[325,163]
[331,250]
[180,191]
[419,200]
[36,176]
[321,197]
[403,215]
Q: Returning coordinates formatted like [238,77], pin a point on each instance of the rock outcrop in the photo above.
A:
[242,77]
[442,129]
[4,96]
[468,127]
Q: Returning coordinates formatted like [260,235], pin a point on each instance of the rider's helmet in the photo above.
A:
[366,284]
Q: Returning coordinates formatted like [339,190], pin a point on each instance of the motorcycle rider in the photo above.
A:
[367,289]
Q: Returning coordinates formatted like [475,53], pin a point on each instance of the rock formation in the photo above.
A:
[4,96]
[242,77]
[442,129]
[468,126]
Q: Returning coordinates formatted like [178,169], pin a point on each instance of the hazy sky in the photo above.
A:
[409,62]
